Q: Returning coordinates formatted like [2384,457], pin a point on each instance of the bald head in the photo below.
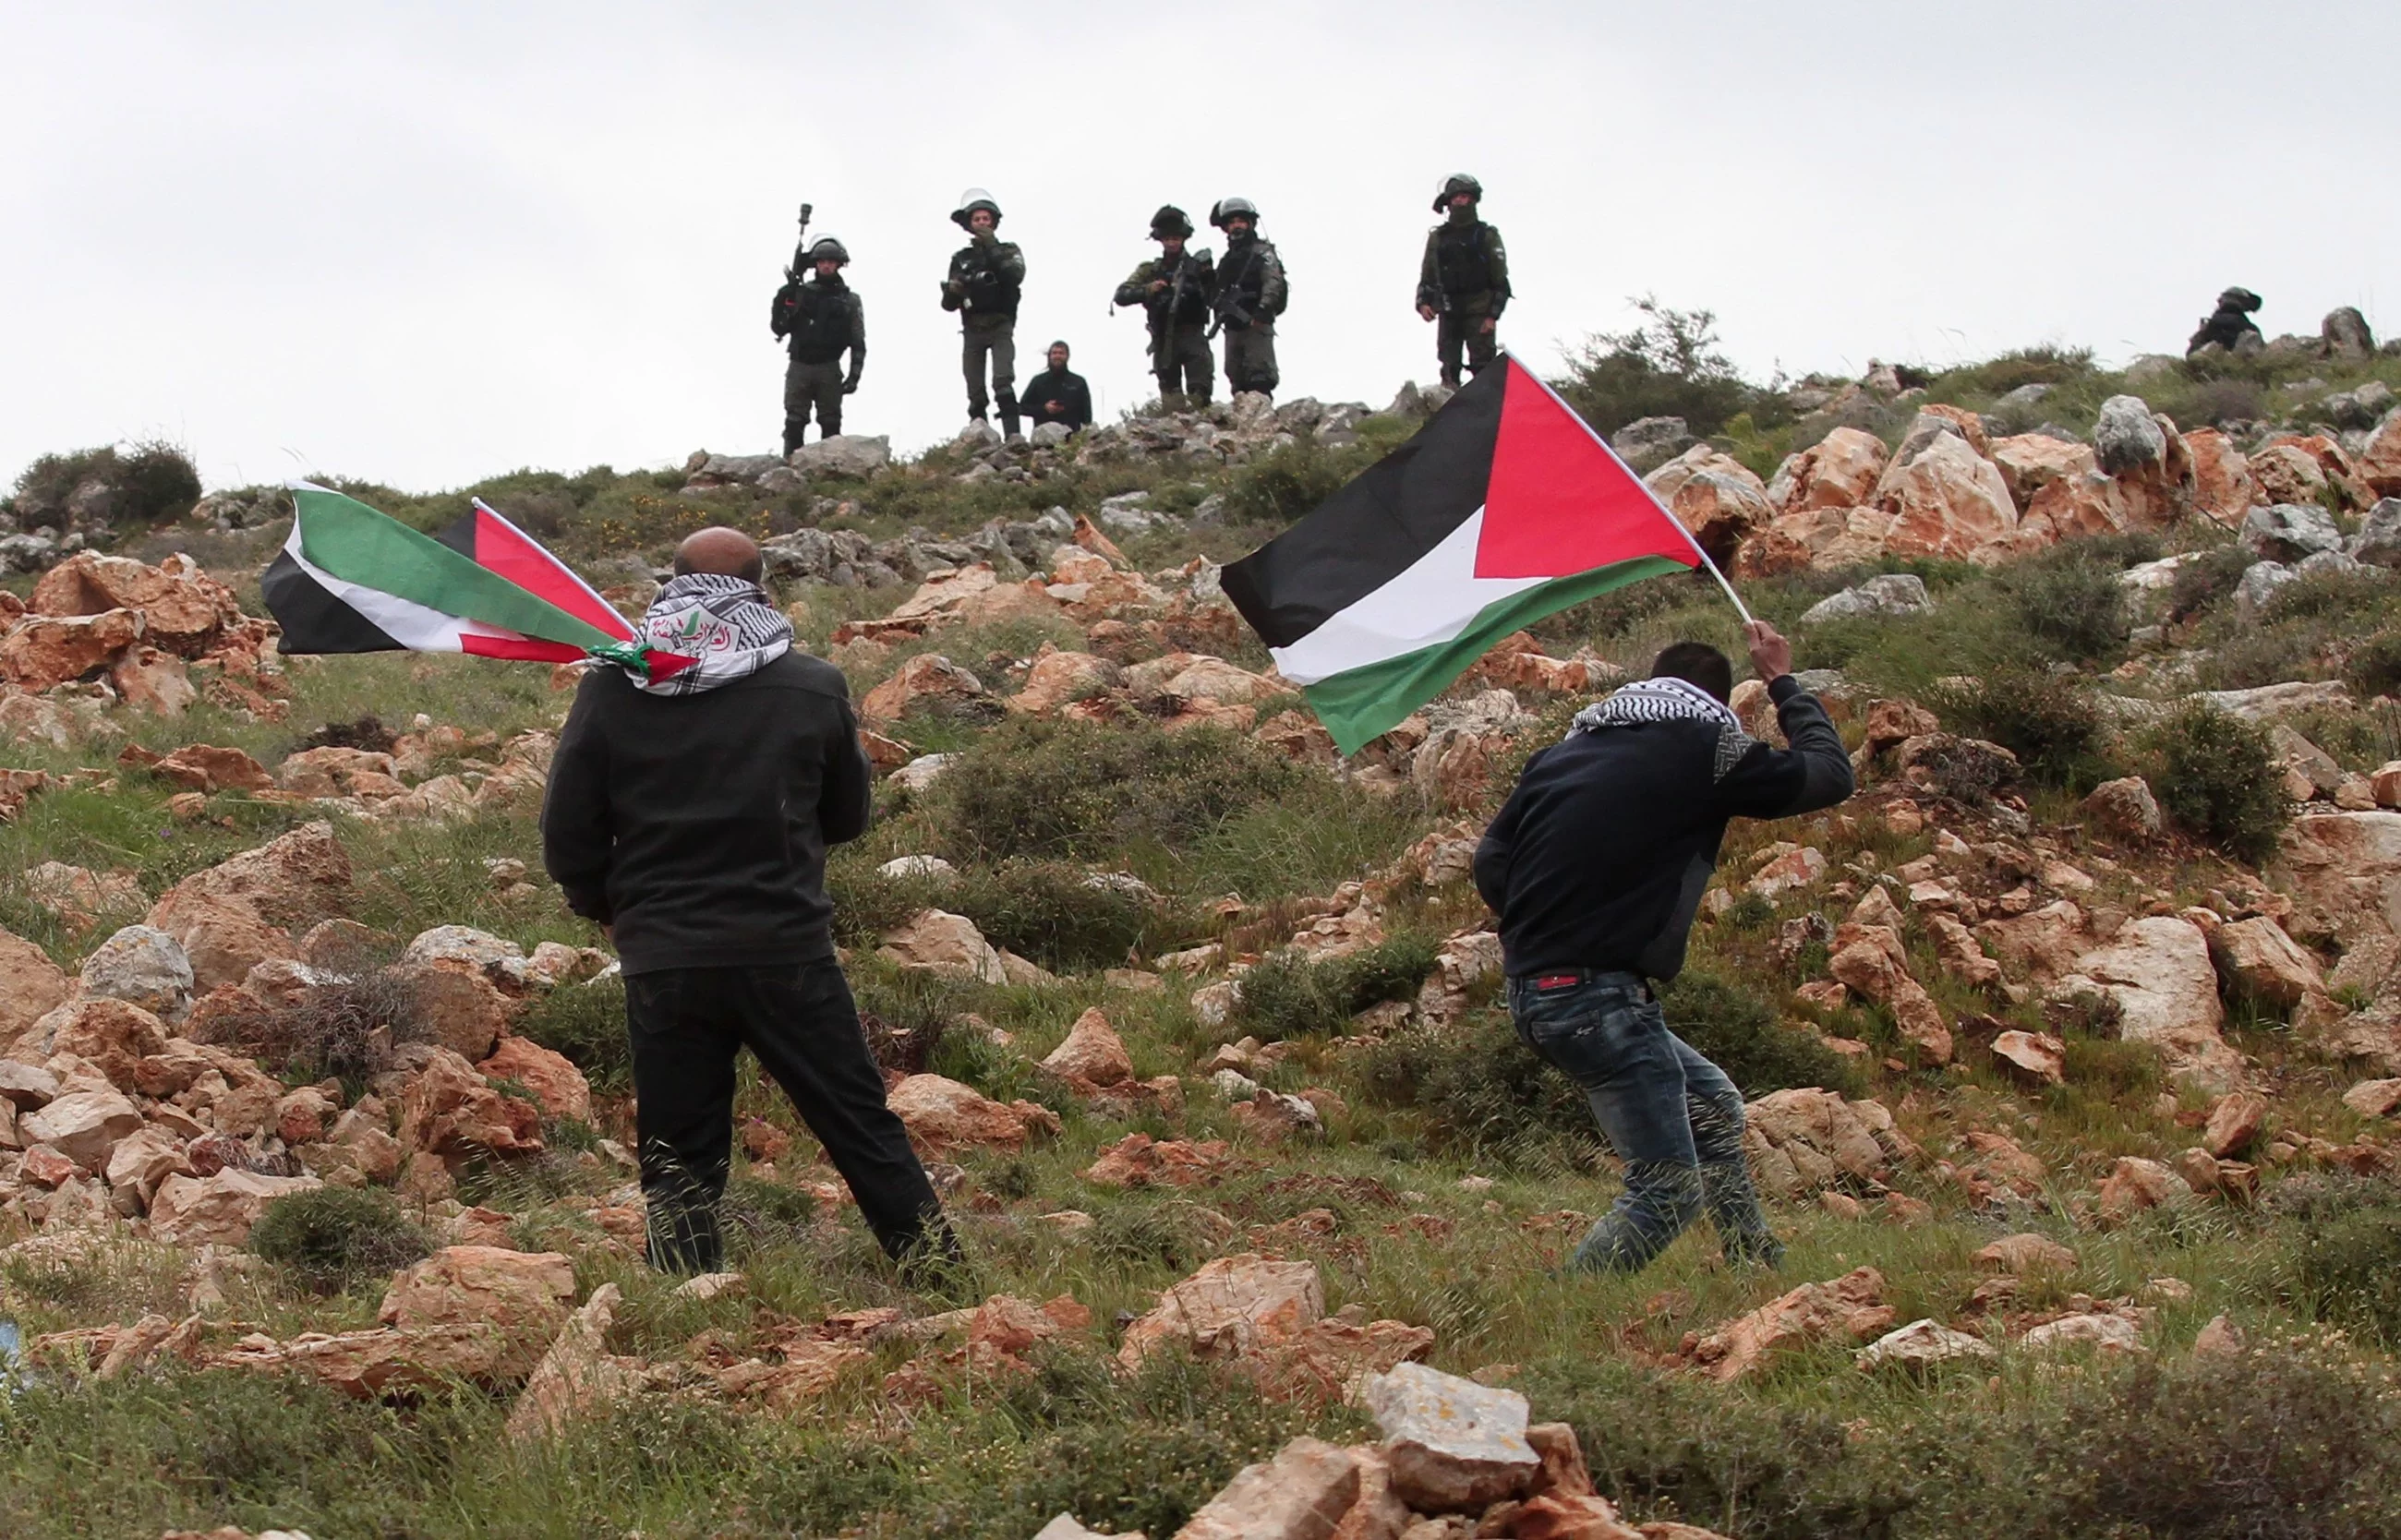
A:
[719,550]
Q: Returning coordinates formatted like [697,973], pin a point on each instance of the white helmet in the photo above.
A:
[969,201]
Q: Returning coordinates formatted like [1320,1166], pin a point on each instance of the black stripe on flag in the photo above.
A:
[312,619]
[1379,525]
[460,535]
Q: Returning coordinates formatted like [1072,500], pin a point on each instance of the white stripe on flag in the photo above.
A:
[1430,602]
[411,624]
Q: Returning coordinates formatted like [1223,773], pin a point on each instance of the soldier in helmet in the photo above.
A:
[1174,290]
[2230,326]
[1249,297]
[1464,283]
[823,319]
[986,275]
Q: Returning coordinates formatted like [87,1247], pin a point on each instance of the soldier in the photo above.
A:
[1250,294]
[986,275]
[1174,289]
[2231,326]
[1464,280]
[823,319]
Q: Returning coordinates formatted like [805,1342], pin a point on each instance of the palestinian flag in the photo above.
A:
[1502,510]
[352,579]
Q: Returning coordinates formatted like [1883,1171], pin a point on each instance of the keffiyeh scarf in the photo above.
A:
[1647,701]
[724,622]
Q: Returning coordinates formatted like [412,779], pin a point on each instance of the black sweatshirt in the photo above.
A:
[1601,855]
[697,825]
[1063,386]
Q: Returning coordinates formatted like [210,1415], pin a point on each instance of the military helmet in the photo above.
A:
[1227,208]
[2240,298]
[1452,185]
[969,201]
[1170,221]
[829,246]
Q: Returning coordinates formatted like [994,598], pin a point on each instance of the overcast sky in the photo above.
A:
[432,241]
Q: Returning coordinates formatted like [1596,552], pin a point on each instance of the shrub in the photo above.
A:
[2202,585]
[586,1022]
[1287,994]
[1053,788]
[2217,778]
[907,1014]
[1278,487]
[334,1236]
[1741,1031]
[368,732]
[2069,596]
[2043,364]
[347,1028]
[1668,366]
[2348,1270]
[148,484]
[2374,666]
[1476,1087]
[2047,720]
[1059,914]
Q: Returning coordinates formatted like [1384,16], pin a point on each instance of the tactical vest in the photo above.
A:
[1245,276]
[1462,262]
[989,292]
[820,321]
[1192,301]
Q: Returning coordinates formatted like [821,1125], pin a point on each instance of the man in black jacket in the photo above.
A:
[1596,865]
[1057,395]
[690,815]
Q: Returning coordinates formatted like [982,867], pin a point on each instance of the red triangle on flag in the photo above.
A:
[1558,502]
[667,665]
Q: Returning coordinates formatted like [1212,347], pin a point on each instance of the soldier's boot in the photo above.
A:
[795,429]
[1451,379]
[1010,425]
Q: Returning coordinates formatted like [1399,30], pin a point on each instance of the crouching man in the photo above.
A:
[1596,865]
[689,816]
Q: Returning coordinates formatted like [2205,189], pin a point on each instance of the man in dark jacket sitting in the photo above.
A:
[689,816]
[1596,865]
[1058,394]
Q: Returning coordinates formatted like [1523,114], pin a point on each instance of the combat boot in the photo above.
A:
[1010,427]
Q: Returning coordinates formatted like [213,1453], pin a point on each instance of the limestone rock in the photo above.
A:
[926,681]
[1838,471]
[2234,1124]
[208,768]
[1850,1307]
[1946,501]
[2158,969]
[2289,532]
[943,1114]
[2136,1184]
[1920,1345]
[85,1126]
[524,1296]
[449,1109]
[1301,1494]
[851,455]
[559,1088]
[939,942]
[2105,1332]
[1804,1140]
[1893,594]
[30,987]
[2125,806]
[2026,1252]
[234,915]
[2038,1057]
[2255,957]
[1228,1309]
[42,651]
[1092,1053]
[218,1208]
[1452,1445]
[143,966]
[576,1374]
[1714,496]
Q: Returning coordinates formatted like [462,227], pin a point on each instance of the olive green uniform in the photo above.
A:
[1464,279]
[1251,293]
[986,275]
[1180,358]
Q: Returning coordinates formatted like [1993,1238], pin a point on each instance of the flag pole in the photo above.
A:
[1736,599]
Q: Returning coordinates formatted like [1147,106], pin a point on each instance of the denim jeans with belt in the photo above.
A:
[1672,1116]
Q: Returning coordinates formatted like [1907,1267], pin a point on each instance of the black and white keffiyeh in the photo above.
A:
[1648,700]
[726,622]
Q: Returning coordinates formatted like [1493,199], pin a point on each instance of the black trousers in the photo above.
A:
[687,1026]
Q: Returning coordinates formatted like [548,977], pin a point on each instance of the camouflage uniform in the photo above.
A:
[1179,324]
[1464,279]
[1250,295]
[824,319]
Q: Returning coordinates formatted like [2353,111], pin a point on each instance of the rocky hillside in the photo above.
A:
[2074,1039]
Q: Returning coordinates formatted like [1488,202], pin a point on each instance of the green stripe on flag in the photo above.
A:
[359,545]
[1363,703]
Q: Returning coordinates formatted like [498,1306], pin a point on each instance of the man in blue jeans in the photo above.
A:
[1596,865]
